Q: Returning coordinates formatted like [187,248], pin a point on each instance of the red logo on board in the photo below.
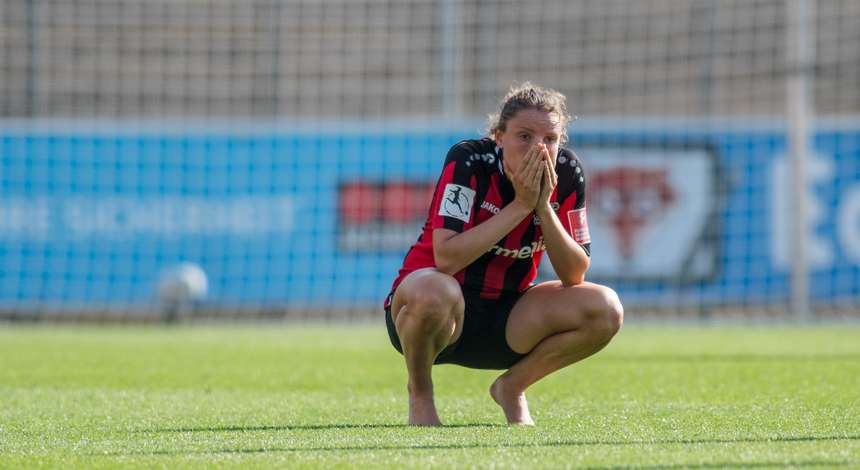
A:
[630,198]
[381,216]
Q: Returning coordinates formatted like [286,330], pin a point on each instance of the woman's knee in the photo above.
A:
[606,314]
[431,301]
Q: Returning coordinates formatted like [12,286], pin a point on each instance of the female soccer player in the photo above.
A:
[464,294]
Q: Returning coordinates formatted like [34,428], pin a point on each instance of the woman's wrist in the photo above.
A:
[520,207]
[544,208]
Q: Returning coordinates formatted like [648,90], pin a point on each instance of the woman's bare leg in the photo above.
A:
[427,310]
[557,326]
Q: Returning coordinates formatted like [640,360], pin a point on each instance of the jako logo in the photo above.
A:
[490,207]
[522,253]
[629,199]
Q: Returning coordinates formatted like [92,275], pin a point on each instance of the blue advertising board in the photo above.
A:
[93,218]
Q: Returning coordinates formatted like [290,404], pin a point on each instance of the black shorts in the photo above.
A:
[482,344]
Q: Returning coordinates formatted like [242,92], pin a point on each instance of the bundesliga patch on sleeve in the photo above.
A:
[457,202]
[579,226]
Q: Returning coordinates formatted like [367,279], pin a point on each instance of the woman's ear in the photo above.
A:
[497,137]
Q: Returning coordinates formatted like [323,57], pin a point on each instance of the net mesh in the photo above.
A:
[385,59]
[285,150]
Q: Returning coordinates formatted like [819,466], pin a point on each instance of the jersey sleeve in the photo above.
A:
[454,197]
[571,198]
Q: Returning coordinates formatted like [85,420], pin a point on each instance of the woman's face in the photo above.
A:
[526,129]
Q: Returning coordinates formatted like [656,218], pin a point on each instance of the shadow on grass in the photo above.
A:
[789,463]
[307,427]
[698,358]
[570,443]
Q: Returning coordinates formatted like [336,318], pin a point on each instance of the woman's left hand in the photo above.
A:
[549,181]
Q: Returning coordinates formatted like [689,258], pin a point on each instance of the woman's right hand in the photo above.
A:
[527,179]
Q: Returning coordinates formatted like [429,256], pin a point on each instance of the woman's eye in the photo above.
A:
[524,136]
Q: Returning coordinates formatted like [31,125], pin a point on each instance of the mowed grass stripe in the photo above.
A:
[311,397]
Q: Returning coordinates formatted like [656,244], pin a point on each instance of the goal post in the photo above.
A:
[800,119]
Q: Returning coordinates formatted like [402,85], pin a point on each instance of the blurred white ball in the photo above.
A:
[186,282]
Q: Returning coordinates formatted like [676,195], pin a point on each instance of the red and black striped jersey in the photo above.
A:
[473,187]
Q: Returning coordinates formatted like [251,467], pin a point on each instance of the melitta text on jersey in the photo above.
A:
[524,252]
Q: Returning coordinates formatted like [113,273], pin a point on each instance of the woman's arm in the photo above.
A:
[454,251]
[568,258]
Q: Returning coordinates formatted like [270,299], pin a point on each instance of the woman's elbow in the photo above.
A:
[447,269]
[445,264]
[569,281]
[575,276]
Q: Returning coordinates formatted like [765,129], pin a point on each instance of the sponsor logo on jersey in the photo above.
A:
[457,202]
[579,226]
[490,207]
[521,253]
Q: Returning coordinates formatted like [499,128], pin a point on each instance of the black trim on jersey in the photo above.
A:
[520,267]
[570,179]
[476,273]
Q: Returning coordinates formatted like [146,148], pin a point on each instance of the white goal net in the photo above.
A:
[282,152]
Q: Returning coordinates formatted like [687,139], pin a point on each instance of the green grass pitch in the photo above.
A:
[334,397]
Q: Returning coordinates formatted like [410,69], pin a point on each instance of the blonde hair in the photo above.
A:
[529,96]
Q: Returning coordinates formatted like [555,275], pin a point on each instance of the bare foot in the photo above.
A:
[422,412]
[513,403]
